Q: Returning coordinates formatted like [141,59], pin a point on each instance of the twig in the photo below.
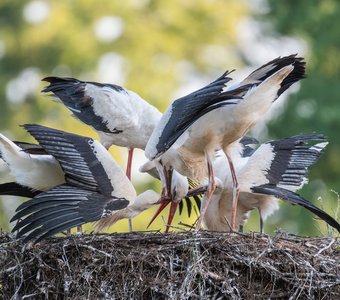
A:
[325,248]
[96,250]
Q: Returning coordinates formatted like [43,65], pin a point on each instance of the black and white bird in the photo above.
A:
[35,171]
[214,117]
[120,116]
[96,188]
[179,186]
[276,170]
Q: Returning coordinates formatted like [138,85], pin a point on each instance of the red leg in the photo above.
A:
[129,163]
[236,192]
[209,193]
[128,175]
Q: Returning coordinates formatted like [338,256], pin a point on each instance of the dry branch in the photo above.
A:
[187,265]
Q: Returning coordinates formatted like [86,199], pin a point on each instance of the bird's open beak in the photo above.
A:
[163,205]
[173,208]
[164,202]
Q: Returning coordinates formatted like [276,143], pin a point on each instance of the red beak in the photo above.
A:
[173,208]
[159,210]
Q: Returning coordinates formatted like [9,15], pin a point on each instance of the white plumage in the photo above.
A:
[279,167]
[96,188]
[215,117]
[120,116]
[38,172]
[77,181]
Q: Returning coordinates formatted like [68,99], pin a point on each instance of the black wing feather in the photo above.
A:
[31,148]
[47,220]
[16,189]
[49,211]
[76,156]
[180,207]
[72,92]
[249,140]
[43,232]
[186,110]
[294,198]
[297,74]
[47,204]
[62,208]
[293,157]
[198,201]
[189,205]
[188,200]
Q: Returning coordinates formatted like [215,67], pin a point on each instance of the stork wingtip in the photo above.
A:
[46,78]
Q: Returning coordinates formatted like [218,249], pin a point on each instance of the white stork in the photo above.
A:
[179,186]
[276,170]
[96,188]
[35,171]
[120,116]
[195,126]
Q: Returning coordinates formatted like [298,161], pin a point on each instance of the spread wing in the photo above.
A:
[72,92]
[61,208]
[292,158]
[81,158]
[186,110]
[295,199]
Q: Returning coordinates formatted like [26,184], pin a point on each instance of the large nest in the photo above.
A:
[186,265]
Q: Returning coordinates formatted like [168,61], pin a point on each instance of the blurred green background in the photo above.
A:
[165,49]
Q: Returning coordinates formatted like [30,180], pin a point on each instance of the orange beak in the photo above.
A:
[163,205]
[172,212]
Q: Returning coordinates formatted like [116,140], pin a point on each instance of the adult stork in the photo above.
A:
[35,171]
[179,186]
[120,116]
[193,127]
[96,188]
[276,170]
